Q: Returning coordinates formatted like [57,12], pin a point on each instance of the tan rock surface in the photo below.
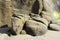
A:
[36,27]
[55,27]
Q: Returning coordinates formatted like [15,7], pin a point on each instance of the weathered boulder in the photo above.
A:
[48,5]
[29,5]
[52,12]
[46,15]
[39,19]
[22,9]
[18,25]
[35,28]
[23,32]
[18,20]
[55,27]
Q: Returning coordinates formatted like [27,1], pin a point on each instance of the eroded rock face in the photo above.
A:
[35,28]
[18,24]
[29,5]
[52,12]
[52,6]
[55,27]
[37,18]
[25,7]
[47,16]
[24,16]
[6,13]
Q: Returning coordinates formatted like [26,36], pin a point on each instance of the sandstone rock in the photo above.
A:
[46,15]
[18,24]
[28,5]
[55,27]
[22,14]
[56,22]
[23,32]
[19,18]
[52,6]
[35,28]
[6,12]
[39,19]
[48,5]
[25,5]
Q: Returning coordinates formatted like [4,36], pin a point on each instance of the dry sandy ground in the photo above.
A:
[50,35]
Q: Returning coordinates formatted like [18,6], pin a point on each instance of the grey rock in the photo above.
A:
[17,24]
[56,22]
[46,15]
[35,28]
[18,20]
[48,5]
[39,19]
[23,32]
[41,6]
[55,27]
[22,14]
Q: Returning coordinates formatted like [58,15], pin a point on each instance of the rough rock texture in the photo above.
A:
[39,19]
[18,26]
[47,16]
[32,17]
[18,20]
[52,8]
[22,14]
[35,28]
[6,13]
[55,27]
